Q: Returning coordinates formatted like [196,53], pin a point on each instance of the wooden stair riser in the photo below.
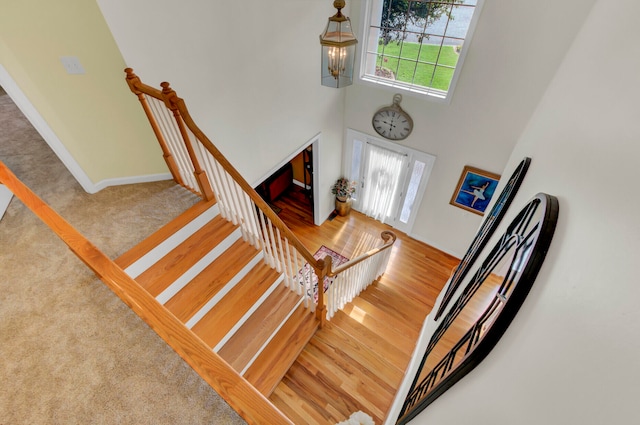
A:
[248,313]
[270,340]
[251,336]
[185,256]
[177,229]
[200,318]
[275,359]
[218,324]
[198,268]
[217,278]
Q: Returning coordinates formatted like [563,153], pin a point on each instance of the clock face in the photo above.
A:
[392,123]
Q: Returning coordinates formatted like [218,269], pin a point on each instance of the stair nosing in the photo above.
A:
[159,251]
[225,290]
[198,267]
[248,314]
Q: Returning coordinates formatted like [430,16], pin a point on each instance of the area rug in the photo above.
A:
[306,271]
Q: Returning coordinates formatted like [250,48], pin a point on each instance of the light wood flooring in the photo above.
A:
[357,361]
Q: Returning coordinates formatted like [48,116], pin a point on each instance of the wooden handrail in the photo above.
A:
[389,238]
[170,95]
[322,267]
[171,98]
[318,265]
[237,391]
[201,177]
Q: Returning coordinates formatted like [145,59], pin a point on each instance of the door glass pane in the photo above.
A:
[412,190]
[356,163]
[384,172]
[391,178]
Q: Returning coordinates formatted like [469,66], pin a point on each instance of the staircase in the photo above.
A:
[225,284]
[219,286]
[228,276]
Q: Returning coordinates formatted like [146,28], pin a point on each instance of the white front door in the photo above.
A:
[391,178]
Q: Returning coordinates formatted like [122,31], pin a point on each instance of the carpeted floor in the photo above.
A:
[70,351]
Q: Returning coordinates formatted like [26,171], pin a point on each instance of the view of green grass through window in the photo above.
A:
[416,44]
[415,63]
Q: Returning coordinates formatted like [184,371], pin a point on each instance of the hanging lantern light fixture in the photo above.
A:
[338,50]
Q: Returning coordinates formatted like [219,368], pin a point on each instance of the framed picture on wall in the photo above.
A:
[474,190]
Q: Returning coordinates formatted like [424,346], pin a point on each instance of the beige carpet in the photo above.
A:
[70,351]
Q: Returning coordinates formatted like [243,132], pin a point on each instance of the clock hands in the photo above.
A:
[388,123]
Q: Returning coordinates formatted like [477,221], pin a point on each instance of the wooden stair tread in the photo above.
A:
[375,342]
[277,357]
[215,325]
[393,304]
[191,298]
[288,402]
[258,328]
[342,377]
[385,324]
[160,275]
[159,236]
[327,401]
[335,339]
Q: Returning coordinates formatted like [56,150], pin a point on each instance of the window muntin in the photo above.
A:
[416,45]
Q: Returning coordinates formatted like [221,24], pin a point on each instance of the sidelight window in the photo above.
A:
[391,178]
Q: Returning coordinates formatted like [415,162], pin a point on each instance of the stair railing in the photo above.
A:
[239,393]
[198,165]
[350,278]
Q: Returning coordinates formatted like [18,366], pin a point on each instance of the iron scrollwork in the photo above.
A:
[487,229]
[486,306]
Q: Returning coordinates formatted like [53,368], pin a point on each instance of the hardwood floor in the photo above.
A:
[357,361]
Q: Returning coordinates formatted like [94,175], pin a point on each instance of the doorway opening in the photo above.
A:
[391,178]
[290,190]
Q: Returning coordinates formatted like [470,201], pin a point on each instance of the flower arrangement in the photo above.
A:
[344,188]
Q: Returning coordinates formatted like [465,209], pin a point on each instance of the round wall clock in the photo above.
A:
[392,122]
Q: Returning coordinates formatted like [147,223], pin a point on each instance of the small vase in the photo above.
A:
[343,205]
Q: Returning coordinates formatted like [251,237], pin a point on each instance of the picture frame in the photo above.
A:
[474,190]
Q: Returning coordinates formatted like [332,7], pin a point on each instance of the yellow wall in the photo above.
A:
[94,115]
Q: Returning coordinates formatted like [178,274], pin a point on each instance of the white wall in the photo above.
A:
[5,199]
[249,72]
[515,51]
[572,354]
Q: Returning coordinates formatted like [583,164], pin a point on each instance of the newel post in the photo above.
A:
[172,100]
[322,270]
[133,81]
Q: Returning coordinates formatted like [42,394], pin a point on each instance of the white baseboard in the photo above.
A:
[5,198]
[300,184]
[436,246]
[131,180]
[42,127]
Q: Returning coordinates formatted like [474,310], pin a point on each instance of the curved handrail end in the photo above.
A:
[388,236]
